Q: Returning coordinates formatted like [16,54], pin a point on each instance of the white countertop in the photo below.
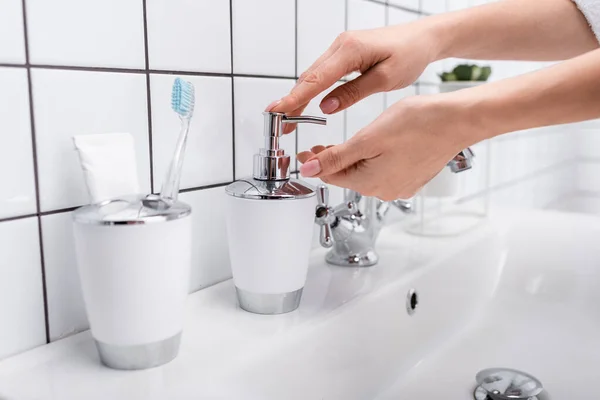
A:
[219,338]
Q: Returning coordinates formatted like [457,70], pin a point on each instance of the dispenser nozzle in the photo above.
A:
[271,162]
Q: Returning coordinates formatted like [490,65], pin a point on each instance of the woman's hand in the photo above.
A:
[388,58]
[399,152]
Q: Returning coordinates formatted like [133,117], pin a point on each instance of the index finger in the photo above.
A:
[316,81]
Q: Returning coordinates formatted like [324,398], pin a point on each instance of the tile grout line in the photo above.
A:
[148,95]
[18,217]
[73,208]
[144,71]
[398,7]
[232,90]
[204,187]
[36,173]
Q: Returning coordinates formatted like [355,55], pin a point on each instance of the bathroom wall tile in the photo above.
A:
[396,95]
[263,37]
[454,5]
[589,143]
[412,4]
[319,23]
[397,16]
[251,96]
[66,310]
[209,153]
[476,179]
[21,293]
[433,6]
[107,33]
[190,35]
[210,253]
[432,72]
[69,103]
[310,135]
[12,39]
[588,177]
[428,89]
[17,191]
[364,14]
[363,113]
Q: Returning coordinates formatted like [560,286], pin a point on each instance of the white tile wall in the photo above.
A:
[66,312]
[89,74]
[311,135]
[210,253]
[210,139]
[363,113]
[252,95]
[17,191]
[189,35]
[363,14]
[22,306]
[455,5]
[12,39]
[411,4]
[263,37]
[68,103]
[433,6]
[397,95]
[319,23]
[107,33]
[398,16]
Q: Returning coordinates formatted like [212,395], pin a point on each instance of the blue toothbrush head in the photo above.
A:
[183,98]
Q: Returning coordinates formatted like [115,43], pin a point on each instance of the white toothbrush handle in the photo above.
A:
[170,186]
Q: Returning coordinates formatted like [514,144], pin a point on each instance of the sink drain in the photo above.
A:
[506,384]
[412,301]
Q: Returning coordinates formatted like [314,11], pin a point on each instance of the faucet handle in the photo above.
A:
[327,216]
[462,161]
[405,206]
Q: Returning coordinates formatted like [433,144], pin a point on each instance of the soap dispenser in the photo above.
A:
[270,220]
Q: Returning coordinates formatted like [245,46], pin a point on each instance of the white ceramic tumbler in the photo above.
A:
[133,257]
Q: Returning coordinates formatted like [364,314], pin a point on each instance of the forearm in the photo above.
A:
[563,93]
[536,30]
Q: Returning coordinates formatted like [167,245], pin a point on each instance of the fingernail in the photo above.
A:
[330,105]
[273,105]
[311,168]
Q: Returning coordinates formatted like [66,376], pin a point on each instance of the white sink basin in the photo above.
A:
[521,295]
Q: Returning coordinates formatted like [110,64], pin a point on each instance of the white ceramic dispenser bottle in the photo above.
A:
[270,219]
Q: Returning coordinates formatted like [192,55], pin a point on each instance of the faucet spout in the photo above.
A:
[352,227]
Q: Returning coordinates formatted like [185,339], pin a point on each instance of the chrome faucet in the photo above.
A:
[351,228]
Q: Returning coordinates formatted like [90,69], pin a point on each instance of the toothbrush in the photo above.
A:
[182,102]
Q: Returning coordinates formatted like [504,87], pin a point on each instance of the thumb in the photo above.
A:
[332,160]
[342,97]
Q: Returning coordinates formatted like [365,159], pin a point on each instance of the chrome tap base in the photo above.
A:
[268,303]
[141,356]
[365,259]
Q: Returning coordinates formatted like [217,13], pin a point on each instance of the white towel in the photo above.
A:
[591,12]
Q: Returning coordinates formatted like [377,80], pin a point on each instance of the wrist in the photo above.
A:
[462,115]
[439,32]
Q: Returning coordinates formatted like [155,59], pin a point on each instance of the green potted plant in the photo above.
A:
[464,76]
